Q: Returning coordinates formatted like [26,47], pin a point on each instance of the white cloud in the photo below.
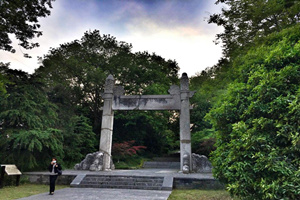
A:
[190,43]
[192,51]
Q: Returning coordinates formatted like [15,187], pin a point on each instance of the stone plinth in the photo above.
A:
[201,164]
[93,162]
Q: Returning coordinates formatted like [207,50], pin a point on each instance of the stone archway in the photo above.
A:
[178,99]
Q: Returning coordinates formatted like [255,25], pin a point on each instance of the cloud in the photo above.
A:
[188,40]
[173,29]
[193,52]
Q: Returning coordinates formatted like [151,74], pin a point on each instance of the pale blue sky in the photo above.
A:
[173,29]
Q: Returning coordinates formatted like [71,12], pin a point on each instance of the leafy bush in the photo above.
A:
[125,149]
[258,141]
[203,142]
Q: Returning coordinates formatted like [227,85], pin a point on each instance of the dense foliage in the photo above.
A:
[247,105]
[57,110]
[28,134]
[258,141]
[251,96]
[244,20]
[75,74]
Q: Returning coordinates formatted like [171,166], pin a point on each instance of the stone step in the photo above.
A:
[121,182]
[161,165]
[122,187]
[167,159]
[117,178]
[151,183]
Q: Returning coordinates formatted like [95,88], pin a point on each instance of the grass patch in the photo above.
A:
[200,195]
[14,192]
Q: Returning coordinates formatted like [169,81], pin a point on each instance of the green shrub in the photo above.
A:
[258,138]
[203,142]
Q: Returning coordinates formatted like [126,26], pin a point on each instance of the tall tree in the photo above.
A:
[243,20]
[20,18]
[257,121]
[256,73]
[27,119]
[76,72]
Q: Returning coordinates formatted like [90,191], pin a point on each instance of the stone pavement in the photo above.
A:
[101,194]
[136,172]
[115,194]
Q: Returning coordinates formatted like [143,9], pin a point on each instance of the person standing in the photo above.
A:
[55,170]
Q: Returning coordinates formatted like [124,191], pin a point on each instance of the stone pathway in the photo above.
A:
[102,194]
[114,194]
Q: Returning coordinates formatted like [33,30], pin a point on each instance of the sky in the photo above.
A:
[174,29]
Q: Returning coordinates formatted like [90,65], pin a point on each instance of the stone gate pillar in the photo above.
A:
[185,133]
[107,122]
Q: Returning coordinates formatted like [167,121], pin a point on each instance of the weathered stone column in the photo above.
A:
[185,133]
[107,122]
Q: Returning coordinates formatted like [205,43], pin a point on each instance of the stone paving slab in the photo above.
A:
[137,172]
[102,194]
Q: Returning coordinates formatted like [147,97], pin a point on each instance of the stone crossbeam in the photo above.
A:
[147,102]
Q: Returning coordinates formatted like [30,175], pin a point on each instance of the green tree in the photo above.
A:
[79,140]
[244,20]
[3,82]
[27,118]
[257,121]
[20,18]
[75,74]
[209,87]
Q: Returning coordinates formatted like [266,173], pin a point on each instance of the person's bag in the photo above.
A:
[59,172]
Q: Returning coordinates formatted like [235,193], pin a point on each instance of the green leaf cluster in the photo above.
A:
[27,118]
[79,140]
[152,129]
[209,85]
[257,121]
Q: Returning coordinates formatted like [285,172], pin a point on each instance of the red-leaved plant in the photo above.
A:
[121,150]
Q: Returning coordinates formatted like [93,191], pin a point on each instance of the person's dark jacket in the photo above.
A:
[57,168]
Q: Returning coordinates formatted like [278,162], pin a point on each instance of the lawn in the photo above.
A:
[200,195]
[13,192]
